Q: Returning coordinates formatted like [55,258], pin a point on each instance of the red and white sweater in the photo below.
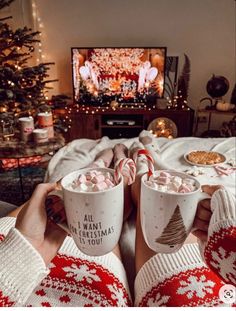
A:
[183,279]
[74,279]
[71,280]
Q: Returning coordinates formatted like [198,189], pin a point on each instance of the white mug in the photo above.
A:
[167,217]
[94,218]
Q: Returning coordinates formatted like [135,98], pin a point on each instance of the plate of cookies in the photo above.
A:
[204,158]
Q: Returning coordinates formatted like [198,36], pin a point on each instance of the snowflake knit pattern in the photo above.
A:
[75,282]
[192,288]
[73,279]
[179,279]
[219,252]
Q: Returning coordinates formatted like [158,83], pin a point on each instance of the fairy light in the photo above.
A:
[77,108]
[38,24]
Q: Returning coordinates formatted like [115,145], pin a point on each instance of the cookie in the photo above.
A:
[205,157]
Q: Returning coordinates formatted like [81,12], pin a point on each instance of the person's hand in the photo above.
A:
[44,235]
[203,214]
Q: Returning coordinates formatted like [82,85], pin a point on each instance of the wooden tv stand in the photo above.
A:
[91,122]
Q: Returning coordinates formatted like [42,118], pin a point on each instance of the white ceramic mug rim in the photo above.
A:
[89,169]
[174,193]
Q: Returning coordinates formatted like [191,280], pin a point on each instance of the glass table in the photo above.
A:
[15,149]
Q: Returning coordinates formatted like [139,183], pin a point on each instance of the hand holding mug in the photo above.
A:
[45,236]
[203,214]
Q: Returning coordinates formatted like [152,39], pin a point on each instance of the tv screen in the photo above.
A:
[127,75]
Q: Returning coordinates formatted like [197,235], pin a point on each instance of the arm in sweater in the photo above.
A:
[21,269]
[223,207]
[219,252]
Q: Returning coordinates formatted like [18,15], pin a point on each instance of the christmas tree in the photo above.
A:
[23,88]
[174,233]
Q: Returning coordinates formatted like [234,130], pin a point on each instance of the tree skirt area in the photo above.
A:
[10,190]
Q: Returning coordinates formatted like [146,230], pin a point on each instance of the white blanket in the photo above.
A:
[169,153]
[80,153]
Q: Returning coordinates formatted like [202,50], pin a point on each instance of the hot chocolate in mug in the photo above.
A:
[167,217]
[94,219]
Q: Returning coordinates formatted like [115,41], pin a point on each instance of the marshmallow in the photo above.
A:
[82,178]
[185,188]
[109,183]
[108,176]
[154,186]
[100,186]
[173,187]
[163,180]
[97,179]
[83,187]
[161,188]
[93,181]
[188,181]
[165,174]
[166,182]
[177,181]
[195,171]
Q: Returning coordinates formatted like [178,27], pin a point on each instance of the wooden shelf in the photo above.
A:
[122,126]
[89,123]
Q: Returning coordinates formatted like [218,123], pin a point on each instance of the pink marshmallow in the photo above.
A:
[100,186]
[163,180]
[97,179]
[93,181]
[90,175]
[108,176]
[165,174]
[185,188]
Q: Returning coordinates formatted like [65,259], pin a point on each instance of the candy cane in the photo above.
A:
[221,170]
[125,167]
[149,159]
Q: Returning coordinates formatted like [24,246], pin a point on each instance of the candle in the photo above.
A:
[26,128]
[45,120]
[40,135]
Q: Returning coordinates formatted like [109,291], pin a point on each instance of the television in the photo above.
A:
[124,74]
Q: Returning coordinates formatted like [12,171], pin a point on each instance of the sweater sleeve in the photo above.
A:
[223,207]
[177,279]
[21,269]
[219,252]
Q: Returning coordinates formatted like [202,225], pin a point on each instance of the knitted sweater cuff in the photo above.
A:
[223,205]
[163,266]
[21,267]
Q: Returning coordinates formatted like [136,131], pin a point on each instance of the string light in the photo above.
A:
[80,108]
[38,24]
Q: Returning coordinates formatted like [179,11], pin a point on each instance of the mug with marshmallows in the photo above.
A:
[93,204]
[168,206]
